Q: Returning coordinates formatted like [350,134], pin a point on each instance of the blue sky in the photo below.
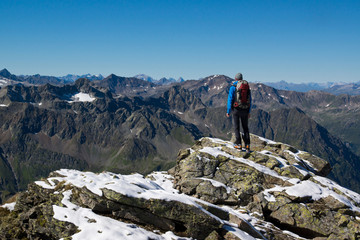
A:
[296,41]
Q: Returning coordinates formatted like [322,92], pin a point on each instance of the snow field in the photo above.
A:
[134,185]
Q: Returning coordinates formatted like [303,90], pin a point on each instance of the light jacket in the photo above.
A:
[231,98]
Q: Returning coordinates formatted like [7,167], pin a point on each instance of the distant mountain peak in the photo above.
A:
[335,88]
[73,78]
[112,76]
[6,74]
[161,81]
[145,77]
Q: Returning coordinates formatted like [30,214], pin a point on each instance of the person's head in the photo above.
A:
[238,76]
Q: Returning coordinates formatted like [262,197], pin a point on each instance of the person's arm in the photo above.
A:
[250,101]
[230,100]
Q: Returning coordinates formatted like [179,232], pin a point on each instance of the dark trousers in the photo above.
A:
[243,115]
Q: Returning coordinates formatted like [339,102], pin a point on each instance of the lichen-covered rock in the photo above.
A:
[322,167]
[192,220]
[276,182]
[214,192]
[50,207]
[32,217]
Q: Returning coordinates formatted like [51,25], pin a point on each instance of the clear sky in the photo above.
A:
[267,40]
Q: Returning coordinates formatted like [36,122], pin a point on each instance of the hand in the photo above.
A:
[227,115]
[249,115]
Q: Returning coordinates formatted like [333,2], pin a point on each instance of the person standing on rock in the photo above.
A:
[239,101]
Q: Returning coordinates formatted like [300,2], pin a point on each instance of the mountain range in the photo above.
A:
[336,88]
[124,124]
[6,78]
[73,78]
[47,127]
[161,81]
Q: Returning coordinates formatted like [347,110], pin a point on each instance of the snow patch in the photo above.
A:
[45,185]
[158,185]
[220,141]
[315,191]
[93,226]
[218,87]
[214,76]
[331,185]
[9,206]
[268,141]
[3,105]
[299,188]
[217,151]
[134,185]
[164,180]
[217,184]
[239,233]
[82,97]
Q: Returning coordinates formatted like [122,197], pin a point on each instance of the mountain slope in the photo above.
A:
[296,128]
[330,87]
[211,90]
[38,79]
[299,87]
[72,78]
[338,114]
[78,126]
[6,74]
[350,89]
[126,86]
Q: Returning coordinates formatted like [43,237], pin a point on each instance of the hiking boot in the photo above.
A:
[238,146]
[247,148]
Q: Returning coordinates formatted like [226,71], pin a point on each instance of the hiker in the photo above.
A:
[239,101]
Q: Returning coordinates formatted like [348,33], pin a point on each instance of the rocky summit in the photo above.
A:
[213,192]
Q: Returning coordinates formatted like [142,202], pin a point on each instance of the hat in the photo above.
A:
[238,76]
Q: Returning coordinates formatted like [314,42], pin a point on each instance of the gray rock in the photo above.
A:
[241,174]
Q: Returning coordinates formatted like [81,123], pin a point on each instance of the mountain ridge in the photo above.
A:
[104,130]
[336,88]
[40,123]
[84,122]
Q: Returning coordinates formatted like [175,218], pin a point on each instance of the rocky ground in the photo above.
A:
[213,192]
